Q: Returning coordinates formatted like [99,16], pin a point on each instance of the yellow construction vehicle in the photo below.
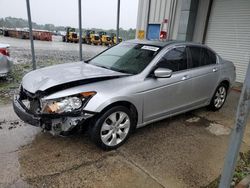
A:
[71,35]
[113,37]
[105,39]
[88,34]
[95,39]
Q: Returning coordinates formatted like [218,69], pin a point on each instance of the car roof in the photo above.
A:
[162,44]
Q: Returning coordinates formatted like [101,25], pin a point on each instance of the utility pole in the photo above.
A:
[80,28]
[237,133]
[118,22]
[31,35]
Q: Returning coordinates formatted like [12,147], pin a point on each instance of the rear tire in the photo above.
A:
[219,97]
[112,128]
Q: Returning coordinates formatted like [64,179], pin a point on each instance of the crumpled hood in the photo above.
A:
[42,79]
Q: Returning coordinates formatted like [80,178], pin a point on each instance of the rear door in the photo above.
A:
[204,72]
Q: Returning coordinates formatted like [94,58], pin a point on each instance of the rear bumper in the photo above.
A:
[5,66]
[24,114]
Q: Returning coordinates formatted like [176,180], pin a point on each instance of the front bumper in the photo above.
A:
[49,120]
[24,114]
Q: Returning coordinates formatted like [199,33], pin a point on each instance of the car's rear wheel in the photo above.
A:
[112,128]
[219,97]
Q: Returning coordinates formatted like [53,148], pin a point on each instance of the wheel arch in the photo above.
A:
[226,82]
[223,81]
[127,104]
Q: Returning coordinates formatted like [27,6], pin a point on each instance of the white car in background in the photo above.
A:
[5,62]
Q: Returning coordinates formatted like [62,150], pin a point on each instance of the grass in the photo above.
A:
[241,171]
[10,85]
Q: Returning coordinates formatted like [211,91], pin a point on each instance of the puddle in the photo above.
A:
[197,121]
[213,127]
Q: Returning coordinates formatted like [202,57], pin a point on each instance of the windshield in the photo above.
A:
[126,57]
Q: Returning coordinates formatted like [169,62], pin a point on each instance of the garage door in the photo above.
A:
[229,32]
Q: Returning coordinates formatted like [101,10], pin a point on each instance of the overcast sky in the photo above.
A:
[95,13]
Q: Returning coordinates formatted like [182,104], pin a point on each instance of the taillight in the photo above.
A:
[4,51]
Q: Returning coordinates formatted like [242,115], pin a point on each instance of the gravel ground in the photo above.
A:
[47,53]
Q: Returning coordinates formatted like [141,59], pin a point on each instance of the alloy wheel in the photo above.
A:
[115,128]
[220,97]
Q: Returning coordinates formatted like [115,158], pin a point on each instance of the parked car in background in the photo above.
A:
[125,87]
[5,62]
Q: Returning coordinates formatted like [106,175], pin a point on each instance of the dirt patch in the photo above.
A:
[75,162]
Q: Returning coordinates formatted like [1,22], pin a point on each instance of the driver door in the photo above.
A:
[166,96]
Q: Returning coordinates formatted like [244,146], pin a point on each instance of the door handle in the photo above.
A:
[184,77]
[215,69]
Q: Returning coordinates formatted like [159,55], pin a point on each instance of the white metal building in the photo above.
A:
[224,25]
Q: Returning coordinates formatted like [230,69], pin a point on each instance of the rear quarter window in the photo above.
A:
[212,57]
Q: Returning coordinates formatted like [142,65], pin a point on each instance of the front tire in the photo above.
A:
[112,128]
[219,97]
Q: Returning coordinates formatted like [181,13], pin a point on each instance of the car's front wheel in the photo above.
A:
[112,128]
[219,97]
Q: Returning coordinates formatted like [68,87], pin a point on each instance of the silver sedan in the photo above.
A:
[125,87]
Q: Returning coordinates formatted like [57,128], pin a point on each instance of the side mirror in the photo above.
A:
[162,73]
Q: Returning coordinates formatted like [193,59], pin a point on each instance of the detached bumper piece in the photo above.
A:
[24,114]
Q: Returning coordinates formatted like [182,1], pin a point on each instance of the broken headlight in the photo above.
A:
[66,104]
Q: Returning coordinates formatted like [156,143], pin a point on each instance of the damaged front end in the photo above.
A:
[58,116]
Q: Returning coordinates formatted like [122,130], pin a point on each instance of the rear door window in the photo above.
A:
[200,57]
[195,53]
[210,57]
[175,59]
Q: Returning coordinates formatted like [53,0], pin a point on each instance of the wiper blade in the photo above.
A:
[113,69]
[101,66]
[122,71]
